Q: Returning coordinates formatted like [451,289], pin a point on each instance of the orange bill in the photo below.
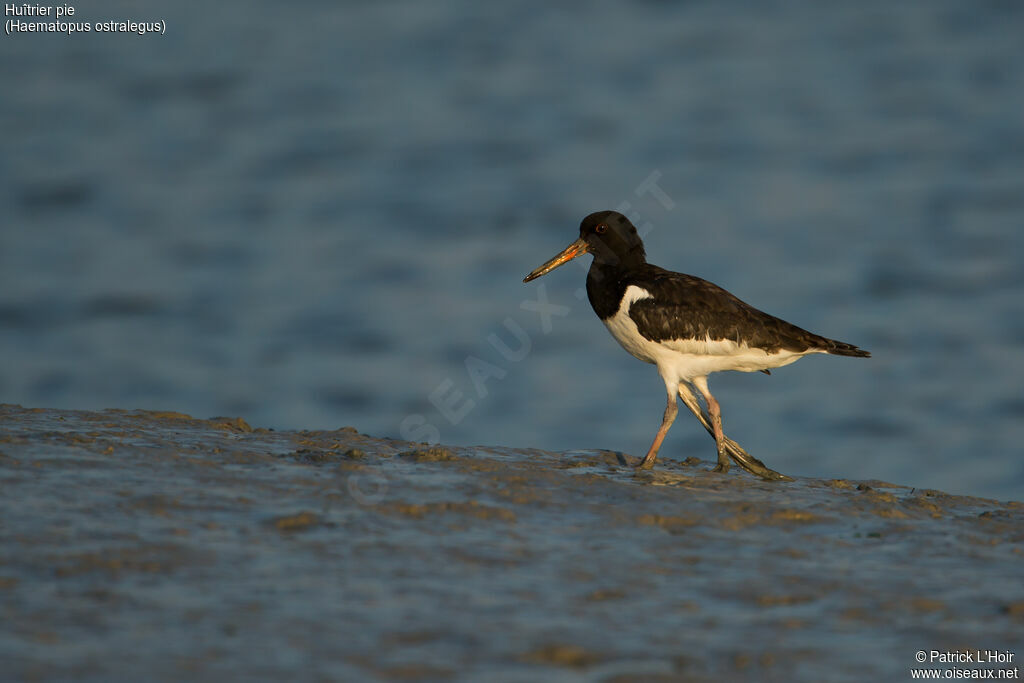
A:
[577,248]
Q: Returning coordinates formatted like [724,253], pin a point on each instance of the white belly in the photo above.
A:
[686,359]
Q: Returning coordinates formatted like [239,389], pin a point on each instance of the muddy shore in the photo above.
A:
[139,545]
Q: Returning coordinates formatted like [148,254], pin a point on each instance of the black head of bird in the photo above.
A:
[609,236]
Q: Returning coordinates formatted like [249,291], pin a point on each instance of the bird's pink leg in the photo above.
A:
[733,449]
[670,415]
[715,413]
[726,447]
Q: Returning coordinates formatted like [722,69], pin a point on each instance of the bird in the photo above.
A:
[686,326]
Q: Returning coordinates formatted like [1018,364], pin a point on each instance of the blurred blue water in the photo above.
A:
[312,216]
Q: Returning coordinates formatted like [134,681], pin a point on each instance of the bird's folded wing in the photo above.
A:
[685,307]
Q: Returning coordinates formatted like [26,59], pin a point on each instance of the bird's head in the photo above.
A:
[608,235]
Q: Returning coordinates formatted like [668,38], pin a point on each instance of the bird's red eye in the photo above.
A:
[601,229]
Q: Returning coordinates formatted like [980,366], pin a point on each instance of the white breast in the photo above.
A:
[625,330]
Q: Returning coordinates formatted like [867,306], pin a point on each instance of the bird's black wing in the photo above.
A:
[687,307]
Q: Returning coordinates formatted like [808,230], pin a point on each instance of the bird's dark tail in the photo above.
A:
[838,348]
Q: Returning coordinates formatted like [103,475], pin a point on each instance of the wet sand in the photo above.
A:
[139,545]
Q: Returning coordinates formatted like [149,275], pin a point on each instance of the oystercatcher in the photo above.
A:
[686,326]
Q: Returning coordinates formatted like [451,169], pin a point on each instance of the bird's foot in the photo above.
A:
[647,463]
[723,459]
[750,463]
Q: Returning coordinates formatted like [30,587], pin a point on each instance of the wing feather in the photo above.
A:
[686,307]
